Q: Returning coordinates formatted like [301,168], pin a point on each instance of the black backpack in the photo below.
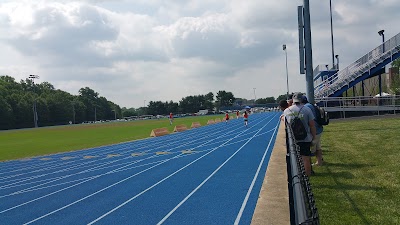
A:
[321,117]
[298,127]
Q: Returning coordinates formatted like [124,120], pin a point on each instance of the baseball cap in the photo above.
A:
[305,100]
[297,97]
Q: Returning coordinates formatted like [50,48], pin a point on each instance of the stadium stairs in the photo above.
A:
[336,82]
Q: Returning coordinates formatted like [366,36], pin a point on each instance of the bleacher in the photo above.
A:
[371,64]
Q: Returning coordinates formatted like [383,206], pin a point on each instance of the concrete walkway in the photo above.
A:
[273,203]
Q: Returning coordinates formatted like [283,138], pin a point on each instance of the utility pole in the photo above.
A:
[333,51]
[308,48]
[73,112]
[115,114]
[254,95]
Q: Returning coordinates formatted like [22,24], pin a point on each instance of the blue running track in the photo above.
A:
[207,175]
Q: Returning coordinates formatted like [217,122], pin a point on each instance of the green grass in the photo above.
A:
[360,181]
[16,144]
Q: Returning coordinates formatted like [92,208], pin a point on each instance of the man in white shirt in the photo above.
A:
[307,118]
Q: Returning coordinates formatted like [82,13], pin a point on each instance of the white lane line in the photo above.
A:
[246,199]
[55,192]
[98,167]
[173,140]
[211,175]
[101,190]
[89,179]
[159,182]
[116,147]
[160,144]
[38,187]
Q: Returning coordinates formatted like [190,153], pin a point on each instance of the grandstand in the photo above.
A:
[333,83]
[362,79]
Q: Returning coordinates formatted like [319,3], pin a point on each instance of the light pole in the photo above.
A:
[115,114]
[308,51]
[255,98]
[383,39]
[333,51]
[287,73]
[383,51]
[35,115]
[144,106]
[337,61]
[73,112]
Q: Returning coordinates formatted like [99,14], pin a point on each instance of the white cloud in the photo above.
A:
[131,51]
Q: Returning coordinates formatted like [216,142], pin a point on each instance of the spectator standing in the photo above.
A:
[316,147]
[283,104]
[290,100]
[237,114]
[307,118]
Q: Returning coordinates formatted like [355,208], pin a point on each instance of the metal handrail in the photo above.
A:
[303,210]
[356,69]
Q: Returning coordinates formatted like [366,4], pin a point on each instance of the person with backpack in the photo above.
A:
[301,120]
[316,145]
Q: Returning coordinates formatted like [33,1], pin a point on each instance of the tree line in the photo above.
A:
[53,106]
[57,107]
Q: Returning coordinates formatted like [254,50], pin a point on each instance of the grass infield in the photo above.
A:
[16,144]
[360,181]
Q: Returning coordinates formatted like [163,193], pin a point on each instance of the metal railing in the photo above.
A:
[301,199]
[359,67]
[389,104]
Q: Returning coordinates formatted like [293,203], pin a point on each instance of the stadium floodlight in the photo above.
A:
[35,116]
[333,49]
[383,51]
[337,61]
[32,76]
[255,98]
[300,15]
[287,73]
[383,39]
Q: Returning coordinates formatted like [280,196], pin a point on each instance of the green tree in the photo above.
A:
[89,98]
[224,99]
[172,107]
[6,111]
[265,100]
[209,101]
[394,87]
[53,106]
[128,112]
[60,107]
[281,97]
[157,108]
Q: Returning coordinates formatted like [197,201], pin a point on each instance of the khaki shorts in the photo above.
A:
[317,145]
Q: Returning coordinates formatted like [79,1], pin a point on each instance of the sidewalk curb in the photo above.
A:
[273,203]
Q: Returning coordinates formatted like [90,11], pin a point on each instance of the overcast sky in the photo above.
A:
[132,51]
